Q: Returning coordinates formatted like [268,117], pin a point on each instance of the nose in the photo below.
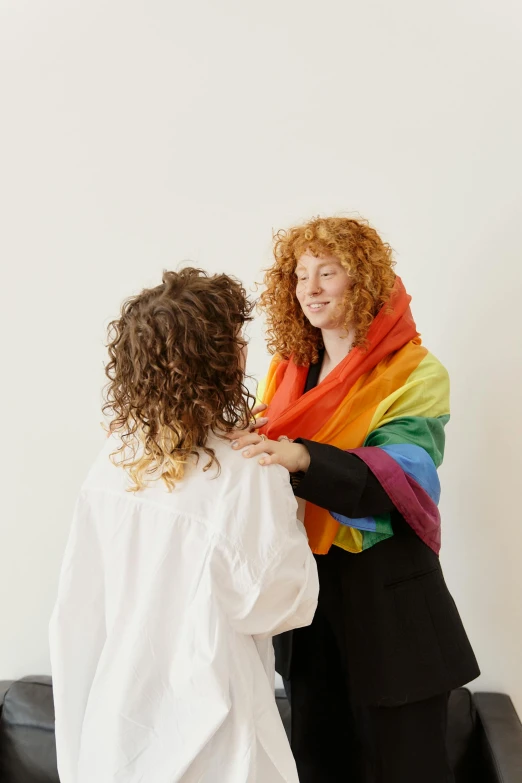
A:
[313,285]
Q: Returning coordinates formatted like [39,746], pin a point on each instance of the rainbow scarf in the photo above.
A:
[388,404]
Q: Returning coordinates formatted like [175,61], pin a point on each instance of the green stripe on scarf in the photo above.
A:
[425,432]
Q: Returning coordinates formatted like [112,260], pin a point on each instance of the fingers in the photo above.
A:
[292,456]
[271,452]
[270,459]
[246,439]
[260,422]
[255,424]
[254,450]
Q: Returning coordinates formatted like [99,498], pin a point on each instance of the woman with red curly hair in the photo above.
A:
[181,563]
[355,410]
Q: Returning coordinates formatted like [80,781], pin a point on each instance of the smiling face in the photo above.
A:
[321,286]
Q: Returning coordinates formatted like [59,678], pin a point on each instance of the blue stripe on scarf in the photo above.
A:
[364,523]
[416,463]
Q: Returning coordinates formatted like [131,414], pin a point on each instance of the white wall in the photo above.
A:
[138,134]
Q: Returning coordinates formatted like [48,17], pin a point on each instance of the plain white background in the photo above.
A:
[135,135]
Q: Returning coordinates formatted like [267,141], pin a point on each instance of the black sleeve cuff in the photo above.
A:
[340,482]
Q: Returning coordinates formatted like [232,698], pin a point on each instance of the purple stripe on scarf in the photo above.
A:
[408,497]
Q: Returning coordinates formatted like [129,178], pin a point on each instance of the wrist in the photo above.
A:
[303,462]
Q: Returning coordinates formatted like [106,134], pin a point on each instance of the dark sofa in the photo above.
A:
[484,734]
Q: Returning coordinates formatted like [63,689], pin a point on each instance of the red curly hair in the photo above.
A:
[367,259]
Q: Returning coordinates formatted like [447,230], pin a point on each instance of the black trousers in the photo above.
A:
[335,737]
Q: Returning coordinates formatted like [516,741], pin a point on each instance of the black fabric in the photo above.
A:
[404,744]
[334,737]
[406,635]
[377,646]
[312,379]
[27,745]
[390,609]
[341,482]
[470,760]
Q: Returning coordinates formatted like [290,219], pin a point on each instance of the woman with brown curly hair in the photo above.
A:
[181,564]
[356,413]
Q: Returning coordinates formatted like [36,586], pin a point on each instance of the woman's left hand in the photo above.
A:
[292,456]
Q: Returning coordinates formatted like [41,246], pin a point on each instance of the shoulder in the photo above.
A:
[434,379]
[253,496]
[247,475]
[104,473]
[432,366]
[419,365]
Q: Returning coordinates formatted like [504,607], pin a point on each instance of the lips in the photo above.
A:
[316,306]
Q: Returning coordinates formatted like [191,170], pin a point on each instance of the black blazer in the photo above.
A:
[400,625]
[389,605]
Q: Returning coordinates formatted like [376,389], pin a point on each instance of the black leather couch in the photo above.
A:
[484,734]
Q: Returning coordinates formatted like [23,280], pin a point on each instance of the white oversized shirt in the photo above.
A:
[160,638]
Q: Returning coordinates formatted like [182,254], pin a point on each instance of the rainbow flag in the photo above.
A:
[387,403]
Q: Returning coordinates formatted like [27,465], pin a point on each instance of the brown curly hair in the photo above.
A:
[176,373]
[367,259]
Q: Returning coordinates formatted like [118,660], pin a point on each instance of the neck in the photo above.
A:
[337,346]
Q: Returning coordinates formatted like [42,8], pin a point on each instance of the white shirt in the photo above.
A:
[161,635]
